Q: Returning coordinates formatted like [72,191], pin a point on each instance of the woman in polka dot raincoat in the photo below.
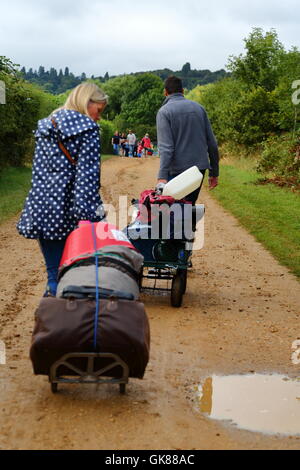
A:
[65,177]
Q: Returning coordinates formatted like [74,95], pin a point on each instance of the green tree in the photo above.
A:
[25,104]
[7,68]
[186,69]
[289,72]
[259,67]
[116,90]
[106,131]
[144,109]
[142,100]
[41,71]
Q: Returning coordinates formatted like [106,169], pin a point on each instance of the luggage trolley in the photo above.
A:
[89,374]
[164,259]
[90,368]
[91,334]
[176,272]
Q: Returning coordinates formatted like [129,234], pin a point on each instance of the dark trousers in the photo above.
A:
[126,150]
[52,251]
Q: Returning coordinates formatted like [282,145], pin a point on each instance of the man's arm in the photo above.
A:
[166,145]
[213,150]
[213,153]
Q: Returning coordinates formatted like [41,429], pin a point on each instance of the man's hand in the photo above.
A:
[160,186]
[162,181]
[213,182]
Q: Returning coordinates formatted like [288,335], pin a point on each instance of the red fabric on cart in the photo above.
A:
[150,197]
[80,244]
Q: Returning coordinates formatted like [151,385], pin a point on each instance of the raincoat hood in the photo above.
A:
[69,123]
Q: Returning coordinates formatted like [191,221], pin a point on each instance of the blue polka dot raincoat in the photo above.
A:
[61,193]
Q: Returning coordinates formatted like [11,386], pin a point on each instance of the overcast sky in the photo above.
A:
[117,36]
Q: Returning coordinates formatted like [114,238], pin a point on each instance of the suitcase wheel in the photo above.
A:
[178,288]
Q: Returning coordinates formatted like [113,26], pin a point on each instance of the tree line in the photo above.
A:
[51,80]
[57,82]
[192,77]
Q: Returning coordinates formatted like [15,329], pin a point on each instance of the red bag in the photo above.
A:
[81,245]
[149,198]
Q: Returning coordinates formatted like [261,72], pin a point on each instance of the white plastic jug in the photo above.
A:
[184,184]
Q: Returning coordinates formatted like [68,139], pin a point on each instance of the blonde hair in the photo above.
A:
[80,97]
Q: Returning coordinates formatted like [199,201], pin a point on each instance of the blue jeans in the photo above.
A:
[52,251]
[131,150]
[116,149]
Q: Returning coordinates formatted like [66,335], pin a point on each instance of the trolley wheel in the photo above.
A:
[141,278]
[122,389]
[54,388]
[183,273]
[177,290]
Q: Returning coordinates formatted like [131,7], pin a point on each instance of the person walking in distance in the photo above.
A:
[123,143]
[146,142]
[116,140]
[185,138]
[131,139]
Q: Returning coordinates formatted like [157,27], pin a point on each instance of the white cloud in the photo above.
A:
[96,36]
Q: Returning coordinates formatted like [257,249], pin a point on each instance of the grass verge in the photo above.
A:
[14,187]
[106,157]
[270,213]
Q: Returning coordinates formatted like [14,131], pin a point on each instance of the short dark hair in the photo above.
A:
[173,85]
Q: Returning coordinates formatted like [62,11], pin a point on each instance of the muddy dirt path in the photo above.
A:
[240,315]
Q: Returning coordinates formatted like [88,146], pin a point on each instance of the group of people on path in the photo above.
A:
[130,146]
[66,166]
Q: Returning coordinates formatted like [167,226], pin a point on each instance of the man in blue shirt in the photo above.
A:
[185,137]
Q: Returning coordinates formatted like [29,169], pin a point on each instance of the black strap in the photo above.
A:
[84,292]
[62,147]
[105,261]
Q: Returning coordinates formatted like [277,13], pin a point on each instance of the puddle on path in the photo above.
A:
[262,403]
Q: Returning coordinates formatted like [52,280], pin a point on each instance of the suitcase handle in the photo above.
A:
[83,292]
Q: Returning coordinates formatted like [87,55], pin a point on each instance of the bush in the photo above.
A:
[289,112]
[281,157]
[25,105]
[142,129]
[238,114]
[219,100]
[106,131]
[255,117]
[256,101]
